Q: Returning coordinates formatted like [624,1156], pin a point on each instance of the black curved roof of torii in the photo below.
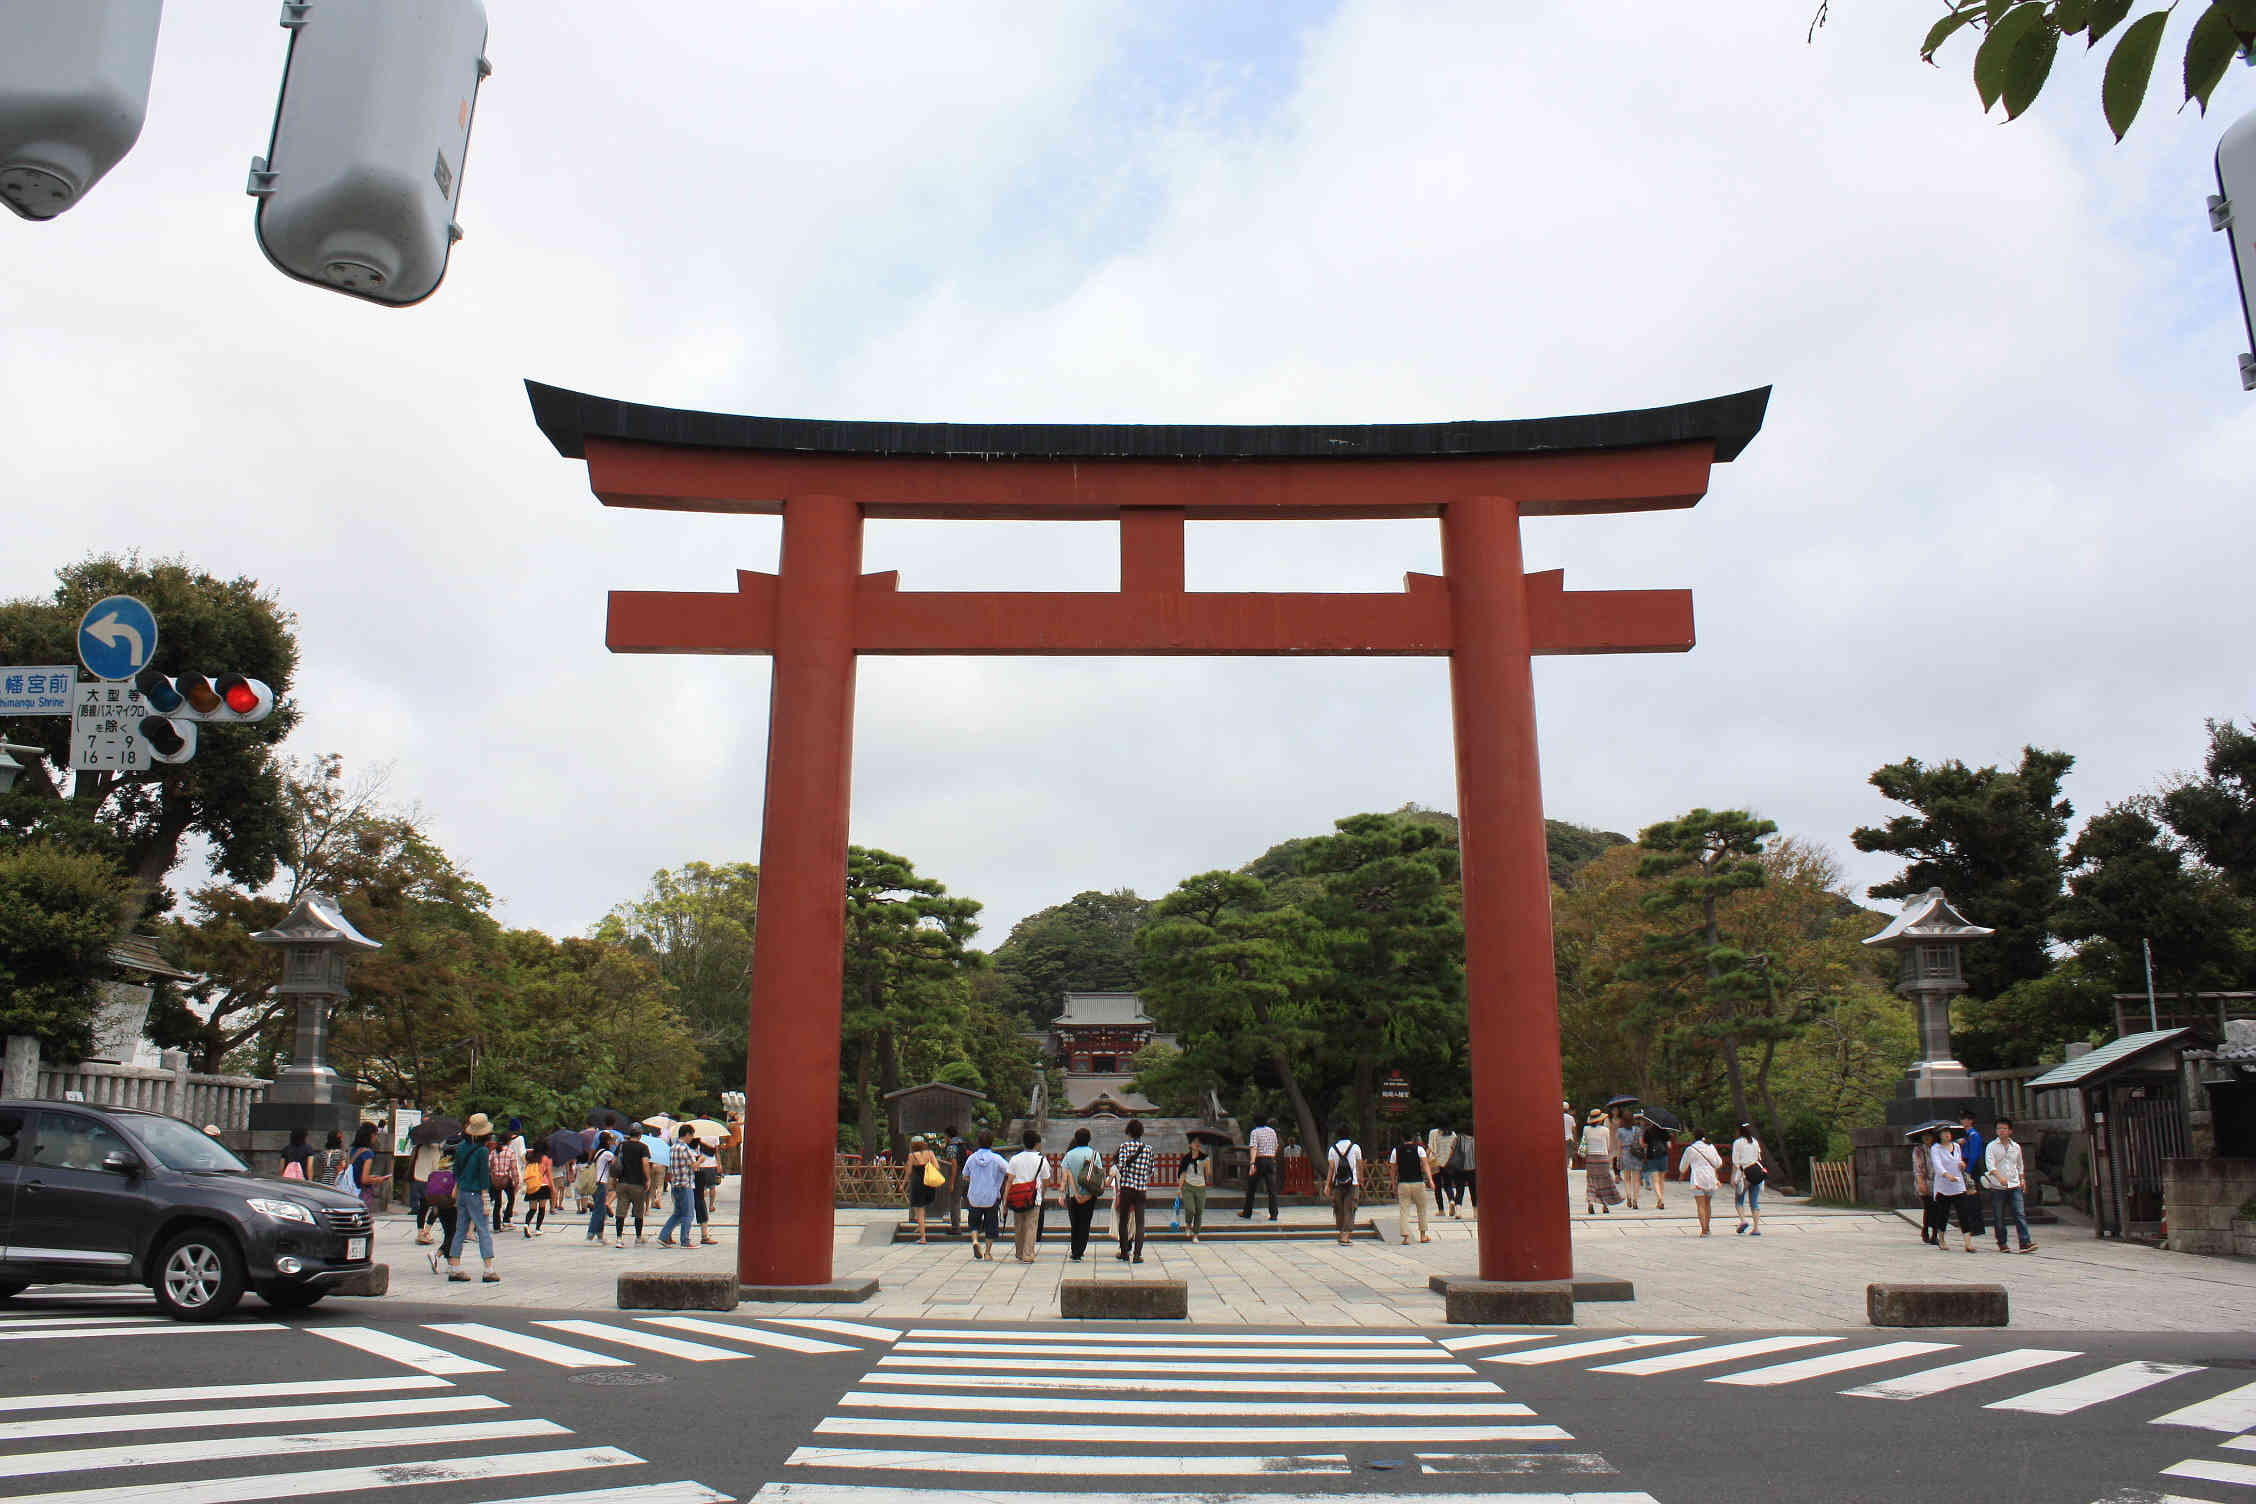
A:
[571,418]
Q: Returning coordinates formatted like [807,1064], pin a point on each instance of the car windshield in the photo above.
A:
[178,1146]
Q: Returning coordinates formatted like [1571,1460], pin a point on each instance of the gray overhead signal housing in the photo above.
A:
[74,90]
[358,187]
[2233,210]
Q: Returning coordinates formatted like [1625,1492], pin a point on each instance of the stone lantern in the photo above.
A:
[1926,937]
[316,941]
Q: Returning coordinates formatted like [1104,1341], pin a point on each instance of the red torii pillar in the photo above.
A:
[819,612]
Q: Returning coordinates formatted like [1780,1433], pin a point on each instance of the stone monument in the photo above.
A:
[1926,937]
[316,941]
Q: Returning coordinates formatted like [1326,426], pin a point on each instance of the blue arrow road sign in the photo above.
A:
[117,637]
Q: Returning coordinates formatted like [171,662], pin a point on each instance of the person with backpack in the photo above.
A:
[984,1175]
[1084,1185]
[630,1188]
[359,1177]
[599,1183]
[508,1166]
[1413,1187]
[1441,1145]
[952,1156]
[1343,1172]
[1131,1174]
[1029,1185]
[439,1197]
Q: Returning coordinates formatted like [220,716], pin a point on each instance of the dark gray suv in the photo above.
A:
[110,1196]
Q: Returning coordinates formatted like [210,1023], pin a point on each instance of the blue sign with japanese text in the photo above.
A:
[44,689]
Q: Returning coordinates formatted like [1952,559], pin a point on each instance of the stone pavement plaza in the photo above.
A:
[1808,1270]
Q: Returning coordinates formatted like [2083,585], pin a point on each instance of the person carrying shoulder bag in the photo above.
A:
[1343,1171]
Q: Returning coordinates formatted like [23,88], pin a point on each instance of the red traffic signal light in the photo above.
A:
[239,694]
[227,699]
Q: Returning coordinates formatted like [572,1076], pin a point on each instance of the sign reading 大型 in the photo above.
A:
[41,690]
[106,730]
[117,637]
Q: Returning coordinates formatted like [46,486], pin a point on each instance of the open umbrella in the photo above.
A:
[434,1130]
[1213,1135]
[1661,1117]
[565,1145]
[660,1122]
[604,1117]
[1932,1125]
[1614,1102]
[708,1130]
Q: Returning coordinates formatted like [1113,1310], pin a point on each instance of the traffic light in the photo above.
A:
[178,705]
[74,89]
[2233,211]
[358,187]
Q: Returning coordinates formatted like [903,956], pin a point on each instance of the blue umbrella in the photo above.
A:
[565,1145]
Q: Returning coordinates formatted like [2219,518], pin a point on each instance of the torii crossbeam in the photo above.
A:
[819,613]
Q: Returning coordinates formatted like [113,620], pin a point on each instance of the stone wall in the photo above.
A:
[2201,1201]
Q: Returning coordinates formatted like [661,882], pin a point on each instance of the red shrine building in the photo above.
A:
[1094,1041]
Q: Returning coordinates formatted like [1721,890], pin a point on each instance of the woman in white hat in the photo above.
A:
[473,1178]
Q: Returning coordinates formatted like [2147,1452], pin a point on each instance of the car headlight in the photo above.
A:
[288,1211]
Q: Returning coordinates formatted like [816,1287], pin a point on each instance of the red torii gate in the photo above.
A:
[819,612]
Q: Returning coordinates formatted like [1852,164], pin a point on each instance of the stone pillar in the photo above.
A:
[176,1090]
[1511,989]
[19,1077]
[798,959]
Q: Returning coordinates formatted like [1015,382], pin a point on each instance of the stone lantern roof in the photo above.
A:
[317,920]
[1926,919]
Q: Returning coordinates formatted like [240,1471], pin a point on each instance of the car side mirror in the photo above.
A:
[118,1162]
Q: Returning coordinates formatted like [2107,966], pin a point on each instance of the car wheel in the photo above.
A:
[11,1288]
[292,1297]
[199,1275]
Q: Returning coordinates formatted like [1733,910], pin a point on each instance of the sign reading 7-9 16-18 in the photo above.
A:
[106,729]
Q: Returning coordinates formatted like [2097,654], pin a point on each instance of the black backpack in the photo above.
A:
[1409,1168]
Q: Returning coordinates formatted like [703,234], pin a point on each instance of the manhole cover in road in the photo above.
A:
[620,1378]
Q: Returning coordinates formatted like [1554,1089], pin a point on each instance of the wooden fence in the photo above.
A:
[1833,1180]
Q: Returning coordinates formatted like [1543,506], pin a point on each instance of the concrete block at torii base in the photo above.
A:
[1935,1305]
[838,1291]
[376,1279]
[674,1291]
[1591,1287]
[1125,1299]
[1532,1302]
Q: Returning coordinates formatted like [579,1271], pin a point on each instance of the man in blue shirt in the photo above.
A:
[984,1174]
[1971,1151]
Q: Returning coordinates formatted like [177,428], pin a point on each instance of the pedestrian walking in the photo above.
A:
[1466,1186]
[1703,1167]
[1923,1184]
[1343,1176]
[1972,1157]
[681,1182]
[1084,1184]
[1261,1167]
[359,1176]
[332,1158]
[420,1164]
[539,1180]
[1748,1172]
[1441,1146]
[630,1188]
[921,1180]
[1198,1161]
[1131,1179]
[1029,1189]
[1574,1135]
[984,1174]
[708,1191]
[473,1179]
[598,1176]
[297,1156]
[1598,1188]
[1413,1187]
[2006,1184]
[439,1200]
[1655,1165]
[1629,1154]
[1948,1160]
[953,1153]
[508,1174]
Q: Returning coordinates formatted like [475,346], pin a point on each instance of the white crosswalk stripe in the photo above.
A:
[399,1349]
[838,1328]
[185,1444]
[524,1344]
[1493,1339]
[1138,1406]
[13,1322]
[758,1336]
[2234,1410]
[654,1342]
[1914,1386]
[1708,1357]
[2212,1471]
[2093,1388]
[77,1331]
[1832,1363]
[1597,1348]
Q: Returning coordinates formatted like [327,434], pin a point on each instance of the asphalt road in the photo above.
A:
[101,1402]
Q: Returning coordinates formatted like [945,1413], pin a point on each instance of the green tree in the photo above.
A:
[2020,39]
[232,792]
[2129,882]
[1703,979]
[1390,929]
[1232,976]
[698,922]
[2033,1021]
[2216,813]
[59,911]
[907,949]
[1991,840]
[1086,944]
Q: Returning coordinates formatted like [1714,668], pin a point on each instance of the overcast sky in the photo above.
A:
[2001,496]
